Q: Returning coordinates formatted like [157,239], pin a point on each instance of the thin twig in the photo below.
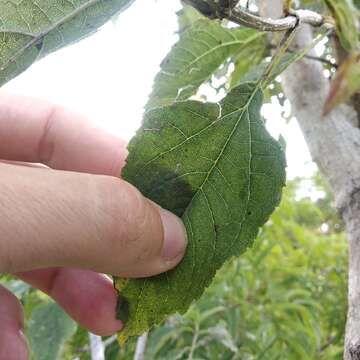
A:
[106,343]
[278,55]
[194,342]
[321,59]
[328,343]
[312,57]
[97,348]
[141,347]
[245,18]
[110,340]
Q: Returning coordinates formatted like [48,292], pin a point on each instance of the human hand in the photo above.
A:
[61,227]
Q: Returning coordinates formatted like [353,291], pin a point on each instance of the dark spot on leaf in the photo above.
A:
[39,45]
[172,192]
[122,309]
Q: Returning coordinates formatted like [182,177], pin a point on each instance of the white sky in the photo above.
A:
[108,76]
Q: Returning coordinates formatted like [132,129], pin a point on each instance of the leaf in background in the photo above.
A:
[48,330]
[345,84]
[217,167]
[248,57]
[17,287]
[345,15]
[195,57]
[281,64]
[30,30]
[222,334]
[186,17]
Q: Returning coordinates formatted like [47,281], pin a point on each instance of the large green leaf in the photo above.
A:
[217,167]
[32,29]
[202,48]
[48,330]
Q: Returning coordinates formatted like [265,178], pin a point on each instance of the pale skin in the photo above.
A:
[66,222]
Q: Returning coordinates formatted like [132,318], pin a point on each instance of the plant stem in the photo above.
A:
[141,347]
[97,347]
[194,342]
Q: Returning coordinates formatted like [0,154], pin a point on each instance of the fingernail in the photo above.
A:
[175,239]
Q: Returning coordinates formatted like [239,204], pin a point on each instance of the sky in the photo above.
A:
[108,76]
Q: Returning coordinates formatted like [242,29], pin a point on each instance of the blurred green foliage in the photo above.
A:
[284,299]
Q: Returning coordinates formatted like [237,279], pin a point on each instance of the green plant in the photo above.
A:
[218,168]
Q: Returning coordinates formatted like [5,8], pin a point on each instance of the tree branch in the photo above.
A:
[237,15]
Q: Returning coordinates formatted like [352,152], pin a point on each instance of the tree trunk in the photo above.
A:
[334,144]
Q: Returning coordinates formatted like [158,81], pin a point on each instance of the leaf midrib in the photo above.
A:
[242,110]
[41,35]
[215,162]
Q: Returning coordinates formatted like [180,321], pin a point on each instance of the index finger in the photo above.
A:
[32,130]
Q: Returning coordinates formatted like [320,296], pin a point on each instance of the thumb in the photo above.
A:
[66,219]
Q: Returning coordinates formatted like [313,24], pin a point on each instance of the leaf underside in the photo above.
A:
[216,166]
[30,29]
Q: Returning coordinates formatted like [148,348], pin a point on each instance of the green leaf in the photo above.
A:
[202,48]
[17,287]
[221,334]
[217,167]
[48,330]
[345,16]
[249,57]
[187,16]
[31,29]
[280,64]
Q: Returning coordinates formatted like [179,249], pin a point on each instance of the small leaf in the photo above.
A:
[345,84]
[202,48]
[345,16]
[217,167]
[221,334]
[48,330]
[31,30]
